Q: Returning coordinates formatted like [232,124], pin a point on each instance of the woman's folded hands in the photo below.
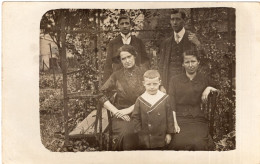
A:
[121,114]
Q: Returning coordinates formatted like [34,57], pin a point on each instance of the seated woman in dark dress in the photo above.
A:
[128,85]
[187,91]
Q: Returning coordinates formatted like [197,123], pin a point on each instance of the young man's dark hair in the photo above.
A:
[176,11]
[123,17]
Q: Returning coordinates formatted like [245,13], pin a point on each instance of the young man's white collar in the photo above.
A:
[152,99]
[126,38]
[181,34]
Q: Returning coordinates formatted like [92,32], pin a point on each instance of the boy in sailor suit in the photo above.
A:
[153,118]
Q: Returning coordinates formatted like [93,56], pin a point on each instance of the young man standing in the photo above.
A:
[125,37]
[171,49]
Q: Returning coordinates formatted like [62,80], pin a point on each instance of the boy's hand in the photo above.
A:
[168,138]
[177,129]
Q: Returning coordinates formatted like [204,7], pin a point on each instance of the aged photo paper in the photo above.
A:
[21,125]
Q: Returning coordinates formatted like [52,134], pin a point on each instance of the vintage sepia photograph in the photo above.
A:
[138,79]
[124,82]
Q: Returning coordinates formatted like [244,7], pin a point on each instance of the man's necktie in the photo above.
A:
[177,38]
[126,40]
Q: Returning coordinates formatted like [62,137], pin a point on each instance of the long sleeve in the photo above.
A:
[108,70]
[160,58]
[107,89]
[136,117]
[172,95]
[170,121]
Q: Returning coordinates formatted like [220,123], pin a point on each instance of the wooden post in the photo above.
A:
[110,130]
[99,54]
[64,74]
[50,49]
[96,46]
[53,72]
[43,65]
[98,58]
[212,100]
[100,128]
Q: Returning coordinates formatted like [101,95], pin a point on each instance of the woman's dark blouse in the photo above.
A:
[185,94]
[127,84]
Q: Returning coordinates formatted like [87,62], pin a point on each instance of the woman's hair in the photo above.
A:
[151,74]
[195,53]
[127,48]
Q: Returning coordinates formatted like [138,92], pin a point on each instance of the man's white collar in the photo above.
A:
[126,39]
[125,36]
[152,99]
[180,33]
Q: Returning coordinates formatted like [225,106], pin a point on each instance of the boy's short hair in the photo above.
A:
[151,74]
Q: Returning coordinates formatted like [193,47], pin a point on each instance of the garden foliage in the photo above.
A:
[215,27]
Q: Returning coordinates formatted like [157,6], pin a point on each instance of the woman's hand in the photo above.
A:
[126,111]
[119,114]
[168,138]
[206,93]
[123,112]
[125,118]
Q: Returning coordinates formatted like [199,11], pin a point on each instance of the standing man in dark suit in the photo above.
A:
[171,49]
[125,37]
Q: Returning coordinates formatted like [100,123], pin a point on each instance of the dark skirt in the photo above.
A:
[124,137]
[194,135]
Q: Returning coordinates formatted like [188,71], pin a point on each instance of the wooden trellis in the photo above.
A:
[80,95]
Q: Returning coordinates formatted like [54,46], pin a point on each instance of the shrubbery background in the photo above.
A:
[215,27]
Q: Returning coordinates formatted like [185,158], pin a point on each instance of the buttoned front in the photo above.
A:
[187,93]
[185,96]
[152,122]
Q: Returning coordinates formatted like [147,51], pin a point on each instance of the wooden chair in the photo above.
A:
[210,109]
[105,137]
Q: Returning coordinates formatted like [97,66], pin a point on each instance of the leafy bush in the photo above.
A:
[47,80]
[52,121]
[227,142]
